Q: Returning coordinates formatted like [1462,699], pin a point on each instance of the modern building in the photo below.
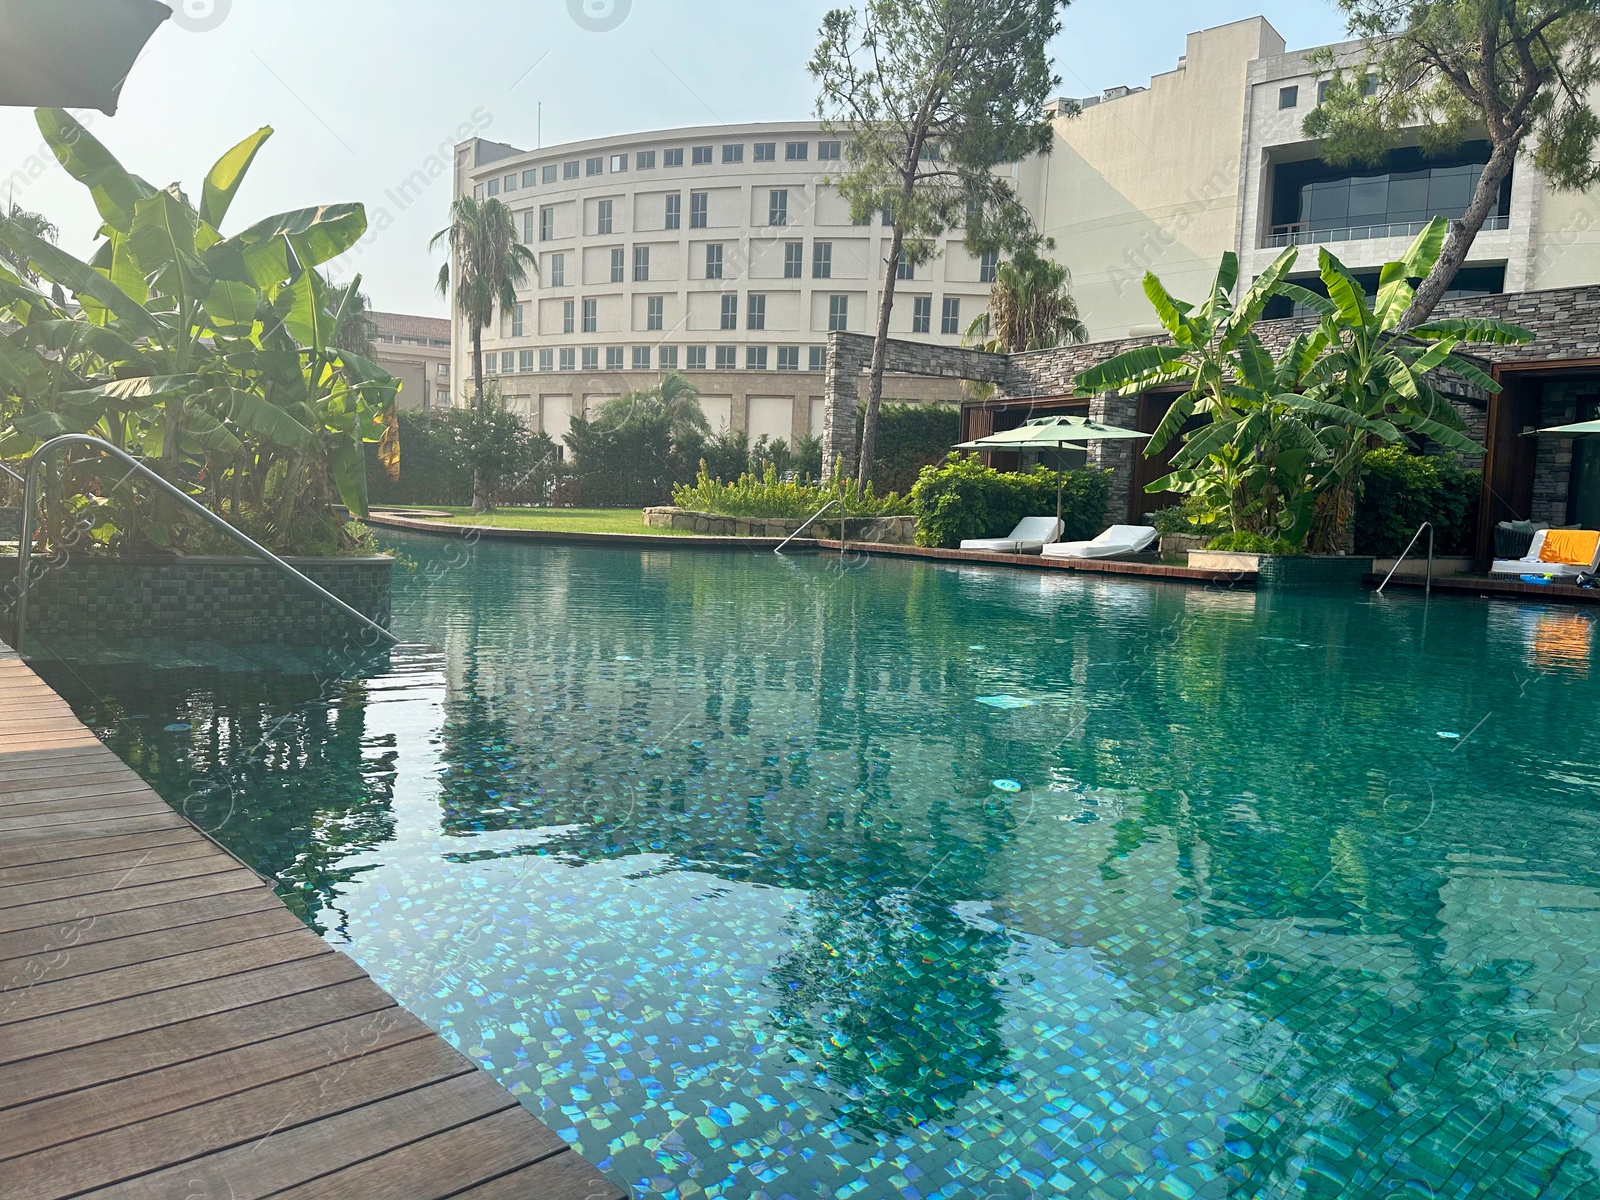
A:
[721,252]
[415,350]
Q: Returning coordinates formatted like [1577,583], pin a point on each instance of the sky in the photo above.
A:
[362,92]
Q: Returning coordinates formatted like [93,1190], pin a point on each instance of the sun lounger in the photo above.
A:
[1560,553]
[1029,537]
[1118,540]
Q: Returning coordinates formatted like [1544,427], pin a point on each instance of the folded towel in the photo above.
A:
[1575,547]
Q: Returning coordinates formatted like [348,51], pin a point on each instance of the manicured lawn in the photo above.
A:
[572,520]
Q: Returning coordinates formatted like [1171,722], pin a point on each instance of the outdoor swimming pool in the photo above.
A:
[763,878]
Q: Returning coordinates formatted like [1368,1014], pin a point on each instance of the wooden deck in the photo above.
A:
[169,1030]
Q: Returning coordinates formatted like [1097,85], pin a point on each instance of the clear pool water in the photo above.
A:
[801,879]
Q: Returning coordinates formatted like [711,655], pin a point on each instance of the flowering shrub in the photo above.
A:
[768,496]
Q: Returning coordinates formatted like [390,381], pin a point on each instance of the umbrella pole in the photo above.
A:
[1061,483]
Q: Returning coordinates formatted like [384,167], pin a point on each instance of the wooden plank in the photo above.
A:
[30,846]
[151,848]
[30,916]
[564,1177]
[202,859]
[77,932]
[150,979]
[441,1165]
[295,1155]
[139,1147]
[44,1123]
[123,806]
[46,791]
[83,1026]
[187,1041]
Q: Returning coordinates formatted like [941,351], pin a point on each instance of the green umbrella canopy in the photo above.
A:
[1579,430]
[1052,433]
[72,53]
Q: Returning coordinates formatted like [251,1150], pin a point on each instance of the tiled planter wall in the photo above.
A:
[230,600]
[1289,571]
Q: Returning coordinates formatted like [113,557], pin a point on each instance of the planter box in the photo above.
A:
[234,601]
[1289,571]
[888,531]
[1418,567]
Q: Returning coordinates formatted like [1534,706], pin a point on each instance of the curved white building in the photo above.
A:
[717,251]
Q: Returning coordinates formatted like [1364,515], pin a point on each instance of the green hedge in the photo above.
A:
[430,470]
[910,437]
[1400,490]
[962,499]
[767,495]
[439,447]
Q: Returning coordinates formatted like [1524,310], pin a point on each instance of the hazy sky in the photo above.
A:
[361,92]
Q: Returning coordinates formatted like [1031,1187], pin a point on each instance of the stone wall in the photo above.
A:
[1552,463]
[228,600]
[885,531]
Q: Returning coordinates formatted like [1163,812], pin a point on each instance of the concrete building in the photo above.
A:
[415,350]
[721,252]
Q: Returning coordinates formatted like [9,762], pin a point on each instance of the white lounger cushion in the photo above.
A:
[1030,535]
[1530,564]
[1119,539]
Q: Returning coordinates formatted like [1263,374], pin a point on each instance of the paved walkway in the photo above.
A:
[169,1030]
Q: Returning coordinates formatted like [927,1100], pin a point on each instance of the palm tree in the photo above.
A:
[1030,307]
[356,330]
[490,265]
[673,398]
[34,223]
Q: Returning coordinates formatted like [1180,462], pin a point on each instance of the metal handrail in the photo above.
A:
[1428,525]
[30,501]
[12,473]
[812,521]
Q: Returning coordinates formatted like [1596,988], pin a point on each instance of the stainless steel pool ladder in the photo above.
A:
[30,501]
[1428,525]
[812,520]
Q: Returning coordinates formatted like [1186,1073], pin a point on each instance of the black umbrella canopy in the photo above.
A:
[72,53]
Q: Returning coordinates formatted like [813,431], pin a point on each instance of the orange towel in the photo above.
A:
[1574,547]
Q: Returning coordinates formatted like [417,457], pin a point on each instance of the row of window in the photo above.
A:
[1289,97]
[755,314]
[794,255]
[672,217]
[648,358]
[645,160]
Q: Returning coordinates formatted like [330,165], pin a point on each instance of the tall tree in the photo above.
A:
[356,329]
[932,95]
[1030,307]
[1448,70]
[490,265]
[32,223]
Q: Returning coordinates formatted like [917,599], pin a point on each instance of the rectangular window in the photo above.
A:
[591,316]
[614,358]
[655,312]
[591,358]
[788,358]
[822,260]
[548,174]
[702,156]
[667,356]
[558,272]
[766,151]
[511,183]
[619,265]
[508,362]
[516,320]
[714,262]
[755,358]
[922,314]
[819,358]
[569,315]
[569,359]
[530,178]
[699,209]
[494,187]
[547,360]
[794,259]
[619,163]
[1322,91]
[950,319]
[838,313]
[641,264]
[672,158]
[888,217]
[674,212]
[1289,97]
[547,224]
[829,151]
[603,211]
[756,314]
[529,230]
[797,151]
[988,266]
[730,312]
[570,170]
[905,269]
[645,160]
[778,206]
[733,154]
[727,358]
[641,358]
[477,192]
[491,362]
[697,358]
[594,166]
[525,360]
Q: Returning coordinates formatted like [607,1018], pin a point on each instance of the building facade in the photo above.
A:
[416,351]
[720,252]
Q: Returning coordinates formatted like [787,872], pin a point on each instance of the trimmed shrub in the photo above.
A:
[961,499]
[767,495]
[430,472]
[1253,543]
[910,437]
[439,448]
[634,465]
[1400,490]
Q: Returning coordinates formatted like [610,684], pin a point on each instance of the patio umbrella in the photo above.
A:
[72,53]
[1053,433]
[1579,430]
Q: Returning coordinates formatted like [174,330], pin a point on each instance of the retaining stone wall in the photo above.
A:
[888,531]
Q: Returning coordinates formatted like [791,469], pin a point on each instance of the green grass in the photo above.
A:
[567,520]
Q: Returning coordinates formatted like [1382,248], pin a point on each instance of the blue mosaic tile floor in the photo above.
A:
[778,879]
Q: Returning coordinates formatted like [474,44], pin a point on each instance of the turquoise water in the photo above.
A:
[762,878]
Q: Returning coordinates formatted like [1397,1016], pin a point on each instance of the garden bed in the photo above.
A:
[886,531]
[1288,571]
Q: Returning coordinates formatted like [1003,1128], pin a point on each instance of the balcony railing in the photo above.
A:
[1298,234]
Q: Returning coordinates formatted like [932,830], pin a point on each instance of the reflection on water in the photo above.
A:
[706,858]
